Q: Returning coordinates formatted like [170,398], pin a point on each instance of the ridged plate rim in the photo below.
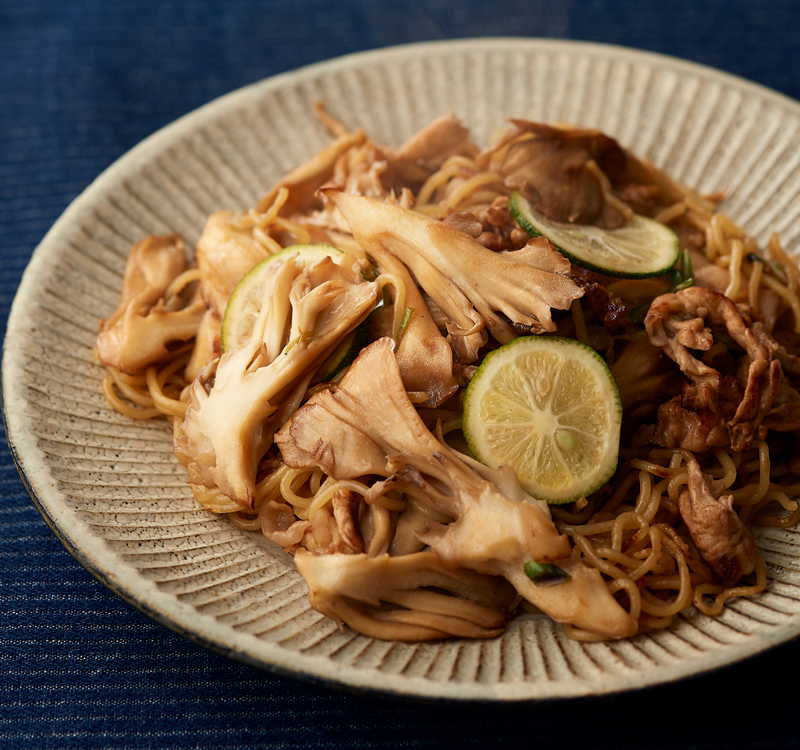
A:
[93,553]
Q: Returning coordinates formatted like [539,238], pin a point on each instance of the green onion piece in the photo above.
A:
[371,272]
[683,285]
[545,574]
[405,321]
[639,313]
[686,265]
[777,269]
[683,276]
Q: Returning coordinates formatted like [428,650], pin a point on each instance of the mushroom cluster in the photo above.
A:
[330,421]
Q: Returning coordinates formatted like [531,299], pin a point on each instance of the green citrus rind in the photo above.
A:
[641,248]
[345,354]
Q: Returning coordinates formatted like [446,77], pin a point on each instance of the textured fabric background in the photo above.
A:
[81,82]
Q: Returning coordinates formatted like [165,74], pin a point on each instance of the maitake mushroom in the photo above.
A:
[429,599]
[147,319]
[307,308]
[369,426]
[467,282]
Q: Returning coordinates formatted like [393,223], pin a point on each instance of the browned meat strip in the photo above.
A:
[678,323]
[721,538]
[609,308]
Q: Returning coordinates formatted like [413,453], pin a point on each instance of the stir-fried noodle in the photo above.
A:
[640,530]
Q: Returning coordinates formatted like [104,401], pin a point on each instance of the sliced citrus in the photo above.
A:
[642,247]
[549,408]
[344,355]
[245,301]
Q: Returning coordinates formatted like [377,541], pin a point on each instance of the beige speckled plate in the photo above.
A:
[117,498]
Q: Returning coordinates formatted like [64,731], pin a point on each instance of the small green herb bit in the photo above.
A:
[545,574]
[405,321]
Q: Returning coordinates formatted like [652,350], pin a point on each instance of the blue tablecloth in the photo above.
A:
[81,82]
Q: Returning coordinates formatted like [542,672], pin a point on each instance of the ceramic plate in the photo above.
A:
[111,488]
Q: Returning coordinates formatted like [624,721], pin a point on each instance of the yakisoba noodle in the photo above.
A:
[631,530]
